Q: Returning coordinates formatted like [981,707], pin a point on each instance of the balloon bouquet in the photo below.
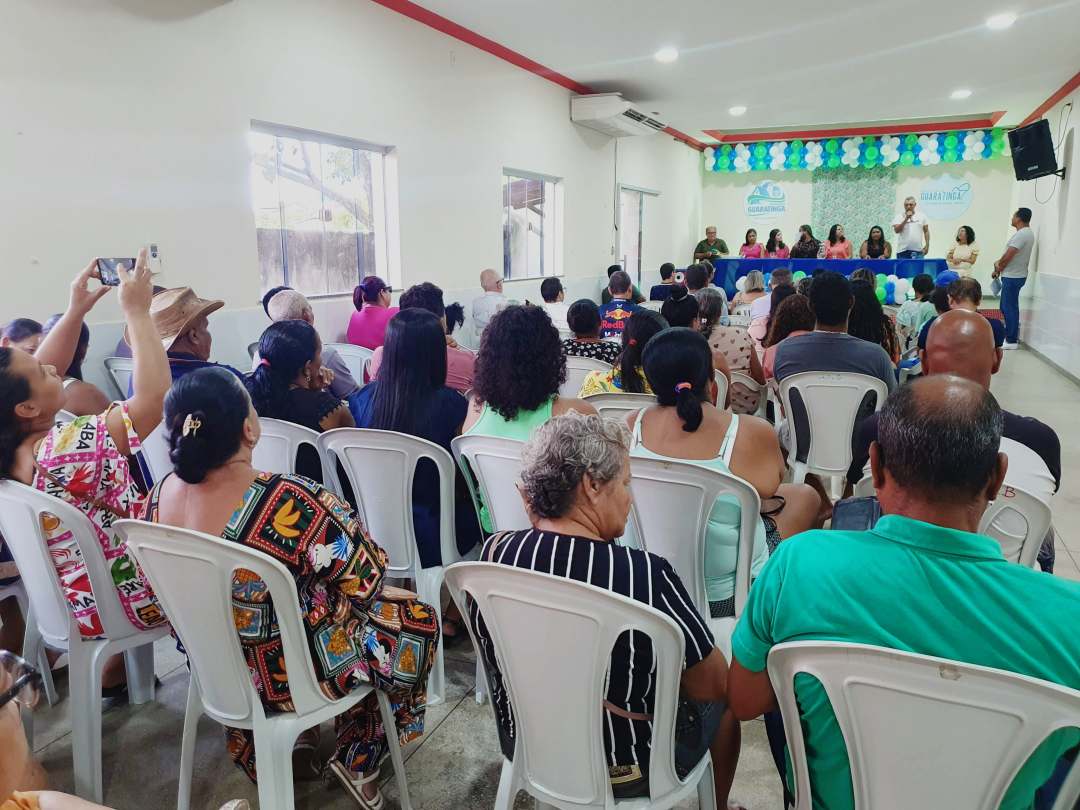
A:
[892,289]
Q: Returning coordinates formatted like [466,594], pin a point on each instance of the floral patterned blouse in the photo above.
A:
[608,382]
[80,463]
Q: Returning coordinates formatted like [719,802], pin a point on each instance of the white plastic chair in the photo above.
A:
[63,417]
[722,386]
[821,407]
[922,731]
[253,349]
[155,453]
[655,306]
[21,509]
[617,406]
[754,387]
[492,469]
[671,508]
[120,370]
[178,563]
[553,638]
[279,445]
[381,466]
[357,358]
[33,647]
[1018,521]
[577,369]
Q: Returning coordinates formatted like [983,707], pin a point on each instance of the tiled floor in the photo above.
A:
[456,765]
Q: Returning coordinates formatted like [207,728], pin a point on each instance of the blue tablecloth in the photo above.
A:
[728,271]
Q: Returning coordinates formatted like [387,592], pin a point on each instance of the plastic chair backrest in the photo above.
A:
[821,407]
[655,306]
[577,369]
[253,349]
[279,444]
[22,510]
[754,387]
[722,386]
[357,358]
[672,503]
[380,466]
[566,665]
[913,724]
[1018,521]
[120,370]
[492,469]
[617,406]
[155,452]
[63,417]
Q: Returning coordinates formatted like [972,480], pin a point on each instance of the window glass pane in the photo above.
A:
[529,227]
[369,165]
[340,204]
[264,195]
[300,184]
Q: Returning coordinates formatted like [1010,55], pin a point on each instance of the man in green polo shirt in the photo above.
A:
[710,247]
[920,581]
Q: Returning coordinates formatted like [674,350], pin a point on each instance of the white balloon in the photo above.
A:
[709,152]
[891,277]
[902,285]
[740,283]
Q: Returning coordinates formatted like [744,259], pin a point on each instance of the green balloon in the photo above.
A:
[950,156]
[881,278]
[798,275]
[880,293]
[907,158]
[869,140]
[872,153]
[793,160]
[760,150]
[723,164]
[997,147]
[725,148]
[951,141]
[910,141]
[796,145]
[831,146]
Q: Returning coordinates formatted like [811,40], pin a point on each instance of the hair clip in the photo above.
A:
[264,362]
[683,386]
[631,342]
[191,426]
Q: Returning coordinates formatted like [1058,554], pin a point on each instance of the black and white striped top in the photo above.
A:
[637,574]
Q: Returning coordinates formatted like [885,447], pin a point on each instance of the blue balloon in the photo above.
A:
[767,277]
[890,290]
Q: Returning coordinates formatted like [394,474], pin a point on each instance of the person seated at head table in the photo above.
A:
[618,308]
[213,428]
[22,333]
[576,484]
[371,300]
[806,247]
[293,306]
[962,600]
[869,322]
[606,295]
[661,291]
[836,245]
[686,425]
[753,289]
[734,345]
[964,293]
[460,363]
[875,246]
[85,462]
[681,308]
[775,247]
[710,247]
[80,397]
[583,319]
[792,317]
[751,248]
[626,377]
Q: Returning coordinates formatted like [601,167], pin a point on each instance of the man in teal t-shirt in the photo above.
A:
[921,581]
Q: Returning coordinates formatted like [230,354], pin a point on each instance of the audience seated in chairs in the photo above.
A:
[293,306]
[551,290]
[762,309]
[615,312]
[519,369]
[733,346]
[961,343]
[583,319]
[576,484]
[352,619]
[80,397]
[965,293]
[868,320]
[22,333]
[686,425]
[680,308]
[490,302]
[606,295]
[961,600]
[913,315]
[460,363]
[85,462]
[290,382]
[753,289]
[663,290]
[793,317]
[762,306]
[371,299]
[627,377]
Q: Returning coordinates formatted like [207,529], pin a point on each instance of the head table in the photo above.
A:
[728,271]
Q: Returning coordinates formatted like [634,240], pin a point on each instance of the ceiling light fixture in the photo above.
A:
[960,95]
[1000,22]
[738,109]
[666,55]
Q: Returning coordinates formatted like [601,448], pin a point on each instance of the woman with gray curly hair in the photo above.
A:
[575,480]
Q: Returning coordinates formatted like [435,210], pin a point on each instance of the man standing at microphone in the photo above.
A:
[913,241]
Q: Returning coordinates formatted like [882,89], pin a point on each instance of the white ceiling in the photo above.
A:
[793,64]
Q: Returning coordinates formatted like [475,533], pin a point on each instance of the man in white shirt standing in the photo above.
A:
[493,300]
[913,240]
[1012,269]
[551,290]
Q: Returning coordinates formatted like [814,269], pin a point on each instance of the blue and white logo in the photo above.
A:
[766,201]
[945,197]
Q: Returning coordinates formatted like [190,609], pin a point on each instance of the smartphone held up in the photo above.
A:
[108,273]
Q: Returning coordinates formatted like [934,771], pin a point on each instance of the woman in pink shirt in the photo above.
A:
[367,326]
[775,247]
[837,246]
[752,248]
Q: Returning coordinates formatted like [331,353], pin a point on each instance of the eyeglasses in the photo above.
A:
[25,680]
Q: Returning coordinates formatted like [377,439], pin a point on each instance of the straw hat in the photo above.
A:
[173,311]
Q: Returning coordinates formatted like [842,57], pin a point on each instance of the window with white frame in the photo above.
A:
[320,209]
[532,225]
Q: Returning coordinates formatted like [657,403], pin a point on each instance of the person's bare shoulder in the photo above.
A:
[564,404]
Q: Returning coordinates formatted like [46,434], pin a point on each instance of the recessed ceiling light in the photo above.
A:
[1001,21]
[961,94]
[738,109]
[666,55]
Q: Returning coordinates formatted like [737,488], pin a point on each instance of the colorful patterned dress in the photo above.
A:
[80,463]
[358,631]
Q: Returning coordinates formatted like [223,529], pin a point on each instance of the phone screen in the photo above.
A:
[107,270]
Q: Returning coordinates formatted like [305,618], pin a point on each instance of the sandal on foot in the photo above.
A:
[354,786]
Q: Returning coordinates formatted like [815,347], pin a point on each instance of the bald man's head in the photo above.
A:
[962,343]
[491,281]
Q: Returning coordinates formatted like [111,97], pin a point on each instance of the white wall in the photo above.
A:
[126,122]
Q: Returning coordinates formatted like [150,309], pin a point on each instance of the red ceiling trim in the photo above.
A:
[848,132]
[1064,90]
[470,37]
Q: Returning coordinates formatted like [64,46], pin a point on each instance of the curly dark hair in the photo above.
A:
[793,314]
[521,363]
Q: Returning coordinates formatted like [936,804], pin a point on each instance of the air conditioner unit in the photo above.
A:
[613,115]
